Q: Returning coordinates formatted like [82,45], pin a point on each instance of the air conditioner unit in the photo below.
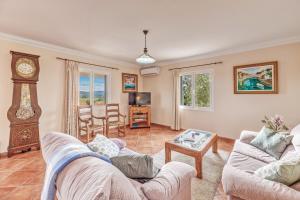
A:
[150,71]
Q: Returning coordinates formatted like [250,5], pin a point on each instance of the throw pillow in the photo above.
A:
[296,140]
[135,166]
[271,142]
[120,143]
[285,171]
[104,146]
[296,130]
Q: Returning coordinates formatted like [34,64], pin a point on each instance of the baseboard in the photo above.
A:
[221,137]
[166,126]
[161,125]
[3,155]
[226,139]
[155,124]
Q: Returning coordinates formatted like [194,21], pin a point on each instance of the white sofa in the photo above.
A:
[238,179]
[91,178]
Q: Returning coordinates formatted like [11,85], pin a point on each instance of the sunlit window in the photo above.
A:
[93,88]
[196,90]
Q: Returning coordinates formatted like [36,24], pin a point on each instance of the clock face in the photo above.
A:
[25,67]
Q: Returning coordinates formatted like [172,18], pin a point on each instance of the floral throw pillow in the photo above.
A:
[273,143]
[104,146]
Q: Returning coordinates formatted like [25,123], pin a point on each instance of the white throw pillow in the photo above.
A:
[296,140]
[104,146]
[286,170]
[296,130]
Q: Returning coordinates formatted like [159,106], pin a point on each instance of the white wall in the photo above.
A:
[234,112]
[50,86]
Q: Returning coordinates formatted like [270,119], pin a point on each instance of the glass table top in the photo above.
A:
[193,139]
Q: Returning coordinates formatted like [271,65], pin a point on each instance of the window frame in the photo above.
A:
[94,72]
[193,74]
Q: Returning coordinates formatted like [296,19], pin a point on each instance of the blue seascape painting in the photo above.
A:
[260,78]
[129,82]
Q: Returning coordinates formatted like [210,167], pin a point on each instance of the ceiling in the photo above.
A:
[178,28]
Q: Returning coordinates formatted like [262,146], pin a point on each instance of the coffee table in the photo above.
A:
[194,143]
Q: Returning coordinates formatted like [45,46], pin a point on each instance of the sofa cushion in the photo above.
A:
[245,163]
[170,180]
[296,186]
[286,170]
[138,187]
[253,152]
[107,182]
[248,186]
[272,143]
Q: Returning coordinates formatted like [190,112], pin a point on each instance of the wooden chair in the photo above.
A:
[87,122]
[113,119]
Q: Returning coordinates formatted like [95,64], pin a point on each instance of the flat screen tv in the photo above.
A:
[139,98]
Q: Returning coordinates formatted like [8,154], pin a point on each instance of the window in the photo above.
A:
[196,90]
[99,89]
[186,90]
[93,88]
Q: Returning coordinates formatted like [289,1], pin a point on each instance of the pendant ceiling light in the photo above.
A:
[145,58]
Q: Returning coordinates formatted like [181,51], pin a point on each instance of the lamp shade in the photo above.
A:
[144,59]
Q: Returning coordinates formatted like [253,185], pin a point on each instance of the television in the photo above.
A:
[139,98]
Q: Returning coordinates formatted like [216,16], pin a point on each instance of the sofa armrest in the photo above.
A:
[247,136]
[248,186]
[169,181]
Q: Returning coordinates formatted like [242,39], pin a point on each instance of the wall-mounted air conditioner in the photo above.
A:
[150,71]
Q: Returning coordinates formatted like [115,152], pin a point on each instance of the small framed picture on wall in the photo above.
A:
[260,78]
[129,82]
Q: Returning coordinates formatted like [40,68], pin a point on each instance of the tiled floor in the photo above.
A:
[22,175]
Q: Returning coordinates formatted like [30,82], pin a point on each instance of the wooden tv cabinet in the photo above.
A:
[139,116]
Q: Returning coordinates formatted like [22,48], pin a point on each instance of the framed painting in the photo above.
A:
[129,82]
[260,78]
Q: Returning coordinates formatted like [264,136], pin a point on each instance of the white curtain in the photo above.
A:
[176,101]
[71,97]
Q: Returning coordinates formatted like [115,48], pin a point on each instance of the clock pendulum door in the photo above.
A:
[24,112]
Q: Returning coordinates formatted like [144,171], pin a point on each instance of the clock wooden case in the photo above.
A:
[24,112]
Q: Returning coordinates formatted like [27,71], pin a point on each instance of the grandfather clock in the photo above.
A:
[24,112]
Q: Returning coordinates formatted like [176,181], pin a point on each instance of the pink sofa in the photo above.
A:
[238,179]
[90,178]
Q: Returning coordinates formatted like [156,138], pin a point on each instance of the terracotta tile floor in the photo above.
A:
[21,176]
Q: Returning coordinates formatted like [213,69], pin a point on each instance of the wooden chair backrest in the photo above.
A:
[112,112]
[85,112]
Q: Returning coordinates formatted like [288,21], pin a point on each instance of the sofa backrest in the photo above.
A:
[55,141]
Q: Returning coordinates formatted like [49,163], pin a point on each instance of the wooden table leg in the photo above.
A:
[198,164]
[167,154]
[215,146]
